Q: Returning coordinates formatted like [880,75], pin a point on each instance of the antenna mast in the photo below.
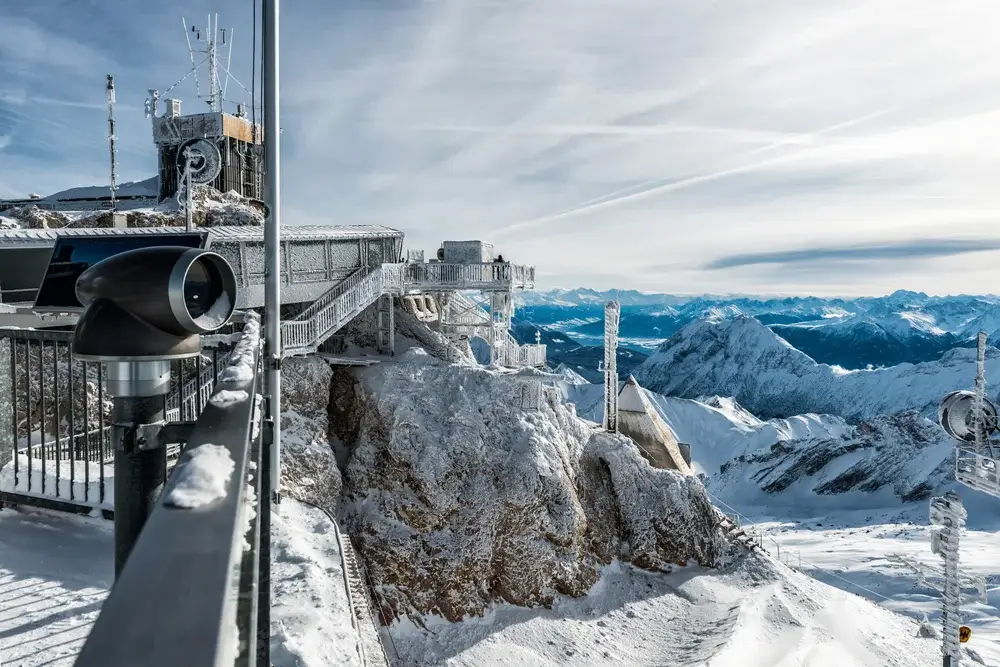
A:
[212,37]
[111,139]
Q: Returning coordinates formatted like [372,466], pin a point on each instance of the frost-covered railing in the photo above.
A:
[195,590]
[466,312]
[55,430]
[977,470]
[513,355]
[337,307]
[486,276]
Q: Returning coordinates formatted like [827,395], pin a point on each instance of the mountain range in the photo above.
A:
[902,327]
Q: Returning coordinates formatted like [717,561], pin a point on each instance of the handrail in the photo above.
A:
[338,306]
[178,599]
[484,274]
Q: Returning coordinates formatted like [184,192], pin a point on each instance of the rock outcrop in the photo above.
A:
[460,498]
[309,469]
[212,209]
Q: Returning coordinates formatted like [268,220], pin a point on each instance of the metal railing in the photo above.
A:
[487,275]
[514,355]
[195,590]
[337,307]
[977,470]
[55,430]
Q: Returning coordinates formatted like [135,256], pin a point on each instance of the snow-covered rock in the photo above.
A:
[742,358]
[460,498]
[885,459]
[901,457]
[309,468]
[211,209]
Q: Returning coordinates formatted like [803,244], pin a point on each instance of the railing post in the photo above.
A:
[139,390]
[264,582]
[8,393]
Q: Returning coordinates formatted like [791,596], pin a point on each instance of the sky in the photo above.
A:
[687,146]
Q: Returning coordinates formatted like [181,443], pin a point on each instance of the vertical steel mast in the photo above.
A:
[111,139]
[272,233]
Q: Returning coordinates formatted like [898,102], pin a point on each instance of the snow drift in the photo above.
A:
[460,498]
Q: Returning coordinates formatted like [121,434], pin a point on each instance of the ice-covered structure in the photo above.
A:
[639,420]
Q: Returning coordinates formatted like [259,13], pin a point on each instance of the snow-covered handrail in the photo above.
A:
[191,589]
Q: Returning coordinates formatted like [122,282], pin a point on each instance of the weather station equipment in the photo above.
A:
[970,418]
[199,161]
[235,138]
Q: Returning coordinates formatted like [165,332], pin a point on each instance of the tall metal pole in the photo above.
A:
[272,233]
[111,139]
[612,314]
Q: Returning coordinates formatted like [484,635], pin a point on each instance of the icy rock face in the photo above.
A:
[460,498]
[309,469]
[903,452]
[742,358]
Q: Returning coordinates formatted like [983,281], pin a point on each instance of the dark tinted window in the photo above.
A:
[73,255]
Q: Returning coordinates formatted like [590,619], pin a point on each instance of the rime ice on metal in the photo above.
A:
[948,518]
[612,315]
[970,418]
[111,139]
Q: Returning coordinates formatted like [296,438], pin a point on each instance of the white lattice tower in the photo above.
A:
[612,316]
[980,389]
[948,516]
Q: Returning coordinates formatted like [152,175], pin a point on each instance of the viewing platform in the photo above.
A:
[482,276]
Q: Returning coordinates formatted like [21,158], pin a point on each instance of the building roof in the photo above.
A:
[46,237]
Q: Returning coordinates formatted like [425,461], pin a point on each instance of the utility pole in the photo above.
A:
[271,455]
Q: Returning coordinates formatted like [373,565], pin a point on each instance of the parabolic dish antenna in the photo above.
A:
[202,158]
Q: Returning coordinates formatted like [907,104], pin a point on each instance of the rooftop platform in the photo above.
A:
[314,258]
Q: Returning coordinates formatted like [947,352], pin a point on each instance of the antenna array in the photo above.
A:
[205,47]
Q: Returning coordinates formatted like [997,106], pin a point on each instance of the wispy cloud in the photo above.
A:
[595,140]
[901,250]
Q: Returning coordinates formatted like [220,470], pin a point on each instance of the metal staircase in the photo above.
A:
[304,334]
[370,642]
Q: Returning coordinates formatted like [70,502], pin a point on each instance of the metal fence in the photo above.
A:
[195,589]
[55,433]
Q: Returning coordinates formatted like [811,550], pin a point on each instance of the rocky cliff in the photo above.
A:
[460,497]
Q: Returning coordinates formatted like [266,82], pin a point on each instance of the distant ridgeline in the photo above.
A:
[903,327]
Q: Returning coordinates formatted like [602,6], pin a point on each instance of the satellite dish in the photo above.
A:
[203,159]
[957,416]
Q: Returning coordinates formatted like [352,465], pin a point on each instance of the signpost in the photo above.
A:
[964,634]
